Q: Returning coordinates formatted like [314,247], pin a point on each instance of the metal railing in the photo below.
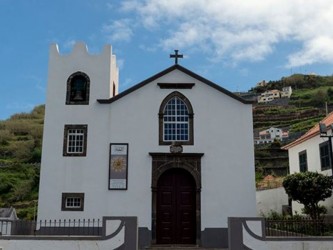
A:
[80,227]
[300,227]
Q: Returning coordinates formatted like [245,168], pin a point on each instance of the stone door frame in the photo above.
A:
[162,162]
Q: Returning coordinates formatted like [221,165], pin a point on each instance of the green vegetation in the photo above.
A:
[289,116]
[309,188]
[20,155]
[312,97]
[296,225]
[297,81]
[307,106]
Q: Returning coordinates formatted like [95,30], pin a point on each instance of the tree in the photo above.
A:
[309,188]
[330,93]
[319,98]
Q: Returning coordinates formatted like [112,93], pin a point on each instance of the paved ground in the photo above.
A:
[181,248]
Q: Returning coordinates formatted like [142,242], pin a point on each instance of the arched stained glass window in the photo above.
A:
[176,120]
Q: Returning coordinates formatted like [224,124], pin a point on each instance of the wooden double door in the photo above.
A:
[176,208]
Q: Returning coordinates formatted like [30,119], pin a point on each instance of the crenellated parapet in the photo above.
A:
[100,70]
[80,48]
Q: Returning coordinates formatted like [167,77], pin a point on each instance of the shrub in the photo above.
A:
[309,188]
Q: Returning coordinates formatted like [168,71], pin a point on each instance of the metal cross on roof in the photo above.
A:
[176,56]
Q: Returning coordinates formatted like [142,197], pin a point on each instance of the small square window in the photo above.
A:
[72,202]
[75,140]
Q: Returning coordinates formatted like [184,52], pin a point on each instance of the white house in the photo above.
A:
[269,96]
[8,213]
[311,152]
[286,92]
[164,150]
[271,134]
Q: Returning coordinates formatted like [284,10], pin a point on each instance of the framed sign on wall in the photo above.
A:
[118,166]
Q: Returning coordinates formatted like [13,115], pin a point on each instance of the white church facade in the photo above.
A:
[175,150]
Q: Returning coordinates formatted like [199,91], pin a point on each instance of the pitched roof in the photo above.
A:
[314,131]
[166,71]
[6,212]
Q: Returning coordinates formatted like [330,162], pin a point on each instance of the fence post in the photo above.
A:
[235,233]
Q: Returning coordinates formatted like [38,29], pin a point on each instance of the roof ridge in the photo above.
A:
[166,71]
[327,120]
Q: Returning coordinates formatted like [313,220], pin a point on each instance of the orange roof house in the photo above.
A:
[311,152]
[314,131]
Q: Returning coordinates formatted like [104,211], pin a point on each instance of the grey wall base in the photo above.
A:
[214,238]
[144,237]
[210,238]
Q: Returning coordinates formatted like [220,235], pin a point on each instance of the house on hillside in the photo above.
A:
[286,92]
[311,152]
[271,95]
[163,150]
[271,134]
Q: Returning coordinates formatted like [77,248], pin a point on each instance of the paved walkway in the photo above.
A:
[181,248]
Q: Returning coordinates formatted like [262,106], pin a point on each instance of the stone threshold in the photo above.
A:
[180,247]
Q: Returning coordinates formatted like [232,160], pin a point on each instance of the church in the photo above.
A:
[175,150]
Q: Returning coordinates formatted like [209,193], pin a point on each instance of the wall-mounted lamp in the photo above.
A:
[323,133]
[322,129]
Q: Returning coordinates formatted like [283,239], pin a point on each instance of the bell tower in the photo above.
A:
[81,75]
[74,121]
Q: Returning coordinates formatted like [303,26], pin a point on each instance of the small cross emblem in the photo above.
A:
[176,56]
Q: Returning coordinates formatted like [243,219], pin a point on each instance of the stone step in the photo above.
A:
[182,247]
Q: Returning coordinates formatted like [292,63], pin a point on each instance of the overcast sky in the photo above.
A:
[234,43]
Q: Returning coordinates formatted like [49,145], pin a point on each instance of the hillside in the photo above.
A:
[20,155]
[312,97]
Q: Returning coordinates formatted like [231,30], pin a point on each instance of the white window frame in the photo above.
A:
[75,140]
[72,202]
[176,115]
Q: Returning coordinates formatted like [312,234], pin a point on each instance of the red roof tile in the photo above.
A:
[328,120]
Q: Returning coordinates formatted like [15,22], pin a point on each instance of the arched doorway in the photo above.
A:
[176,208]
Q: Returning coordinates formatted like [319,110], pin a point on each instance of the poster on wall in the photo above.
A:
[118,166]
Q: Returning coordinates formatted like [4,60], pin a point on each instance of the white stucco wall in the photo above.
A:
[271,200]
[313,155]
[228,187]
[113,237]
[313,159]
[283,243]
[33,244]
